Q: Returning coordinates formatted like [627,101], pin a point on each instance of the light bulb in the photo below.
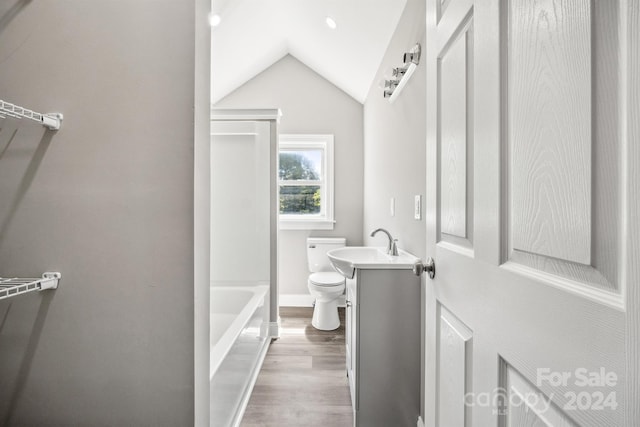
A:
[331,23]
[214,20]
[389,73]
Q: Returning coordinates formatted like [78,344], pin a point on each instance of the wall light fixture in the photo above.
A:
[397,77]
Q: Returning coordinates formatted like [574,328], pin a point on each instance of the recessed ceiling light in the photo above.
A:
[214,20]
[331,23]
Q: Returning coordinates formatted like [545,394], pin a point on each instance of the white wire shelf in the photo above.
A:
[51,121]
[18,286]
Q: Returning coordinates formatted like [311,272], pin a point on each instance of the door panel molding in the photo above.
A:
[549,131]
[524,405]
[455,359]
[454,79]
[455,63]
[610,299]
[452,21]
[561,117]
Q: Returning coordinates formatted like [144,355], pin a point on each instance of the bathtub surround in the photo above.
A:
[244,247]
[244,215]
[109,201]
[311,105]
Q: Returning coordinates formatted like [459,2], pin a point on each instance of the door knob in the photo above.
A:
[428,266]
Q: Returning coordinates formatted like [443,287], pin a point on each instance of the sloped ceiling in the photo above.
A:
[254,34]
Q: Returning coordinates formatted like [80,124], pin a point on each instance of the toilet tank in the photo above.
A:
[317,248]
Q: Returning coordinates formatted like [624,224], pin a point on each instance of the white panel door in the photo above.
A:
[532,213]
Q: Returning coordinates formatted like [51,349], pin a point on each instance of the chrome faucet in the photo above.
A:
[392,247]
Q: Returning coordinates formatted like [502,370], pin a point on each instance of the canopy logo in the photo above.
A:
[500,399]
[588,392]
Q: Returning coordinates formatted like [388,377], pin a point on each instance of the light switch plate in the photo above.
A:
[417,207]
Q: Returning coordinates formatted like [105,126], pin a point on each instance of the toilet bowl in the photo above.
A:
[324,283]
[326,287]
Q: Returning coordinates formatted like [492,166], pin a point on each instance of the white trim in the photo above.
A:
[303,300]
[625,149]
[299,224]
[201,217]
[600,296]
[241,114]
[468,252]
[420,422]
[326,220]
[296,300]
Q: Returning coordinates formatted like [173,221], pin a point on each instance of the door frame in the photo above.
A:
[201,212]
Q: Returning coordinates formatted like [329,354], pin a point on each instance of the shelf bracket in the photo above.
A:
[17,286]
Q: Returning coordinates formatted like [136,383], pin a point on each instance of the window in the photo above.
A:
[305,176]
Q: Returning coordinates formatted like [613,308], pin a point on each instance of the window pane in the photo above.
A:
[300,165]
[300,200]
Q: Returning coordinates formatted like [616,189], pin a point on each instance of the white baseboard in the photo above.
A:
[420,422]
[295,300]
[302,300]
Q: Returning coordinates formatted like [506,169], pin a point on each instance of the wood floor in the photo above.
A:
[303,381]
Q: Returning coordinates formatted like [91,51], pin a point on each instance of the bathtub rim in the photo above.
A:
[219,351]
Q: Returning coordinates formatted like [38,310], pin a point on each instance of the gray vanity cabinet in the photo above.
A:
[383,336]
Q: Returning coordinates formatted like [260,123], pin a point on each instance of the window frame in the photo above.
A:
[325,219]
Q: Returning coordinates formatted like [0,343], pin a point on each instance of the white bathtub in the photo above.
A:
[239,318]
[231,309]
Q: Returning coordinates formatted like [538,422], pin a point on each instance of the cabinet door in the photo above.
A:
[388,348]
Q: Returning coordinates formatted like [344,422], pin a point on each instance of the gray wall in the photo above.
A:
[395,150]
[108,201]
[311,104]
[394,143]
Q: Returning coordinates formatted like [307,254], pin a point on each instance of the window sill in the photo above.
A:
[306,224]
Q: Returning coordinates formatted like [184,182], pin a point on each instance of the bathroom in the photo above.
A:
[314,107]
[118,201]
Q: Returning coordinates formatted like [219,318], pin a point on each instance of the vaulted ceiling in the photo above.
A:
[254,34]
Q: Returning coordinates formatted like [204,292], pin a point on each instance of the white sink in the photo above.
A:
[346,260]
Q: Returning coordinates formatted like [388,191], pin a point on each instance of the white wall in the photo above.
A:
[394,143]
[311,104]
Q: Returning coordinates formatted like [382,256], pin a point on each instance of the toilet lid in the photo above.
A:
[327,278]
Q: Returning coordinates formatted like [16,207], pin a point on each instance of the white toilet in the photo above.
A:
[325,284]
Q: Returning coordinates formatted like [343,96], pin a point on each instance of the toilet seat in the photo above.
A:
[326,279]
